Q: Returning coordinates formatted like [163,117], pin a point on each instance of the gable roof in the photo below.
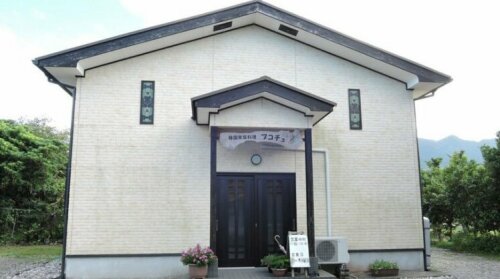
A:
[311,105]
[63,67]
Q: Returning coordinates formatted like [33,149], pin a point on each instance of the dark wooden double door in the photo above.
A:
[251,210]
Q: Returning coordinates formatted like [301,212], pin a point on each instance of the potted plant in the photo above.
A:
[381,268]
[266,261]
[279,265]
[198,258]
[213,268]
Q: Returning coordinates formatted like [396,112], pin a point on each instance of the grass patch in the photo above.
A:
[486,245]
[442,244]
[35,252]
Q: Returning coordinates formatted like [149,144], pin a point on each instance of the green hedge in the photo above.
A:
[488,244]
[33,158]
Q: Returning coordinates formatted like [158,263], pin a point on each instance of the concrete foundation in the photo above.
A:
[125,267]
[156,267]
[407,260]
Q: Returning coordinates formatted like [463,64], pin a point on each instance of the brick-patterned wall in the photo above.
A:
[144,188]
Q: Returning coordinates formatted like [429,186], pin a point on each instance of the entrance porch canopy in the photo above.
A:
[294,100]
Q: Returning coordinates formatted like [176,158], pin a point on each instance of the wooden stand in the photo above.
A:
[302,271]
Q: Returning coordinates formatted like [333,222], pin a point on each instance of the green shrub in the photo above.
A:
[487,244]
[276,261]
[381,264]
[267,260]
[484,243]
[279,261]
[442,244]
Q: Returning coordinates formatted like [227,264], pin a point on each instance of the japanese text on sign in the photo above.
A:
[287,139]
[299,250]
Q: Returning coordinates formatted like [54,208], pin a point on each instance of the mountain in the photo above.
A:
[446,147]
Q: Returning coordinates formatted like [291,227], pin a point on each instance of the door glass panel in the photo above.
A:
[231,202]
[240,246]
[278,200]
[269,213]
[276,211]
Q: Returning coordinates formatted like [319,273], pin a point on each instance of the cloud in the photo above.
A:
[38,15]
[24,90]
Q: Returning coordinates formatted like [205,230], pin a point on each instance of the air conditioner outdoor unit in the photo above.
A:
[331,250]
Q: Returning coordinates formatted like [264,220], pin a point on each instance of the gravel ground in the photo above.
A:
[454,265]
[12,268]
[464,266]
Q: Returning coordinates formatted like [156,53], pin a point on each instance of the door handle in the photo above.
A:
[217,225]
[294,226]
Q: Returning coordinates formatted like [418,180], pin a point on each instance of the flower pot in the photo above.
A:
[196,272]
[213,269]
[279,272]
[384,272]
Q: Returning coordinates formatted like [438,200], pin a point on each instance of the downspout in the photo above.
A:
[327,190]
[327,183]
[421,186]
[67,188]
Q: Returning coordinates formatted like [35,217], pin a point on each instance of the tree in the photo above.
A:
[467,183]
[491,200]
[435,202]
[459,194]
[33,159]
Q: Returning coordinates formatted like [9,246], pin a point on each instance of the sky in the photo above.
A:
[458,38]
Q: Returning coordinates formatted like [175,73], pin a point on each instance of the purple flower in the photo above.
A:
[198,255]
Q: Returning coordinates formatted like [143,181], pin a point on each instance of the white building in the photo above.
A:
[227,128]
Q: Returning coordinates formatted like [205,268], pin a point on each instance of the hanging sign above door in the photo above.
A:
[286,139]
